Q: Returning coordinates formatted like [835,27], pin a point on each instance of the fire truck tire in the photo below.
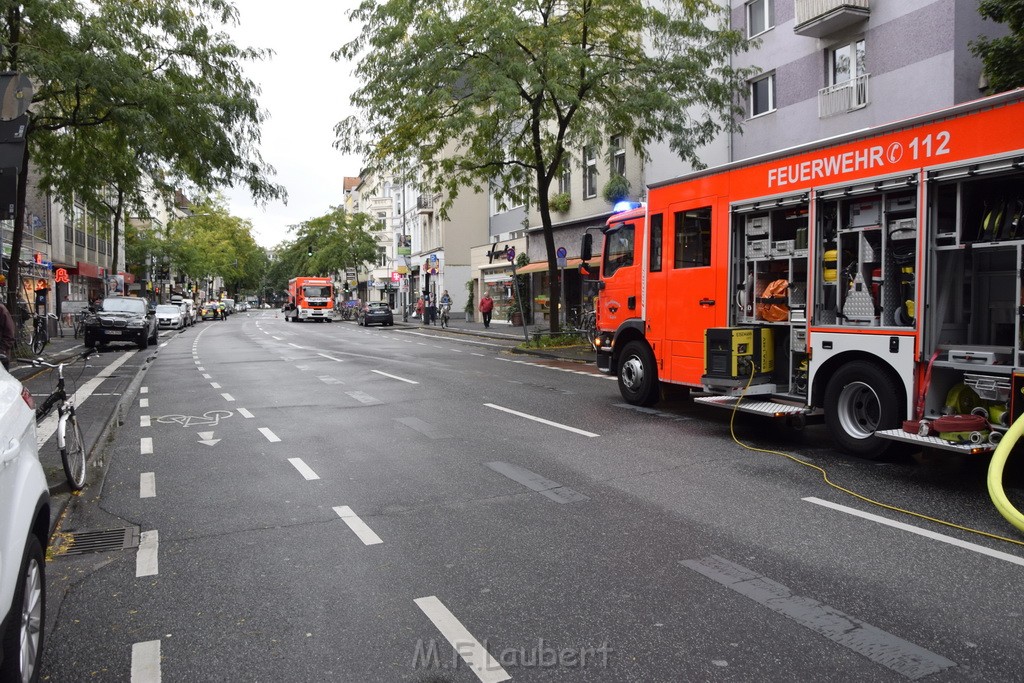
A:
[638,375]
[859,400]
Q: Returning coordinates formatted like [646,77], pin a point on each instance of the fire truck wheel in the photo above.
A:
[638,375]
[859,400]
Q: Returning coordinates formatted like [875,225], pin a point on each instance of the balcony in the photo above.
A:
[820,18]
[425,204]
[843,97]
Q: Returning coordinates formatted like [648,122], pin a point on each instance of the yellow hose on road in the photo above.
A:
[995,475]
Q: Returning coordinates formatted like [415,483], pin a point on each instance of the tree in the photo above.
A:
[213,243]
[501,91]
[324,246]
[130,91]
[1003,57]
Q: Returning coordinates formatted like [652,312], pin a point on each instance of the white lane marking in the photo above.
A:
[48,427]
[303,469]
[147,485]
[567,428]
[302,367]
[327,379]
[163,345]
[146,662]
[228,397]
[205,376]
[214,385]
[143,390]
[271,436]
[295,345]
[363,397]
[330,357]
[469,648]
[146,563]
[400,379]
[358,526]
[201,369]
[1006,557]
[146,445]
[197,363]
[459,340]
[277,338]
[245,413]
[458,350]
[478,354]
[143,402]
[144,421]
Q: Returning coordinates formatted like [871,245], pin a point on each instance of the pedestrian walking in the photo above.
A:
[486,306]
[419,308]
[7,335]
[432,309]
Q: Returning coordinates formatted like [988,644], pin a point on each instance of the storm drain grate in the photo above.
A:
[81,542]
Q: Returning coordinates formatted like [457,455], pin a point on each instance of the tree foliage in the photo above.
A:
[126,91]
[1003,57]
[213,243]
[324,246]
[507,92]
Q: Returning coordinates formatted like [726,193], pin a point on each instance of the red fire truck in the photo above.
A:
[874,279]
[310,298]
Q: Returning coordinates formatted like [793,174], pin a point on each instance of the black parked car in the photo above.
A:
[121,319]
[376,312]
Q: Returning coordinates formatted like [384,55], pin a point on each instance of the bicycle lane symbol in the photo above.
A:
[208,419]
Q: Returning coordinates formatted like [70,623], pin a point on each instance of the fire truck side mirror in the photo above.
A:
[587,247]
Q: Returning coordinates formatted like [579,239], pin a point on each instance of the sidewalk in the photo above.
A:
[502,330]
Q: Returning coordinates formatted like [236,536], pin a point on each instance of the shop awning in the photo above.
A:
[542,266]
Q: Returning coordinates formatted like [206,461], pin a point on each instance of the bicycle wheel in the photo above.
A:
[72,455]
[39,339]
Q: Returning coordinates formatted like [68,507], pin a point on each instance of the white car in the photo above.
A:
[24,535]
[170,316]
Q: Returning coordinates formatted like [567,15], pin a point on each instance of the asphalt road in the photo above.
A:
[324,502]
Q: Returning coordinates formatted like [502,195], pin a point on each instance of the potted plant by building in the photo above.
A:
[514,312]
[616,189]
[470,302]
[560,202]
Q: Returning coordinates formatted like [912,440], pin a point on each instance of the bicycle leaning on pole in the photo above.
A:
[69,434]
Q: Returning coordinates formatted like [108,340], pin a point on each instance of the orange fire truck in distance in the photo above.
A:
[310,298]
[873,278]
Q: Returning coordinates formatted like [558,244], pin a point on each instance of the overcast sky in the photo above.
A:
[305,93]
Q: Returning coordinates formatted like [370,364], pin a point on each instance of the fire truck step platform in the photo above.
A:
[935,442]
[766,408]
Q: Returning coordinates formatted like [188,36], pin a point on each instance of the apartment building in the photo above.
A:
[833,66]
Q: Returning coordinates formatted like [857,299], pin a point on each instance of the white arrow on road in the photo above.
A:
[207,438]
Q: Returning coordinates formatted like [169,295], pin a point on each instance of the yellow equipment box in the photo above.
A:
[731,352]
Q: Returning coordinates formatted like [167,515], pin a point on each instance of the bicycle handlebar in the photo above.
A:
[37,362]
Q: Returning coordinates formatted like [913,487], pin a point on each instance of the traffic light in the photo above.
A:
[309,251]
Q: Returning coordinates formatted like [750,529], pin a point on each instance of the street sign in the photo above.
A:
[510,254]
[561,253]
[562,261]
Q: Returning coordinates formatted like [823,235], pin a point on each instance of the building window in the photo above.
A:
[762,95]
[589,173]
[760,16]
[565,181]
[846,62]
[618,156]
[382,257]
[693,238]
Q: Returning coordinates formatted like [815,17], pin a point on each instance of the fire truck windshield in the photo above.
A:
[317,292]
[618,251]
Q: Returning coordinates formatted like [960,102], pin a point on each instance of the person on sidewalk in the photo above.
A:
[486,306]
[7,335]
[419,309]
[432,309]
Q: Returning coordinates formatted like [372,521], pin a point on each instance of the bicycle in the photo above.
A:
[445,310]
[69,434]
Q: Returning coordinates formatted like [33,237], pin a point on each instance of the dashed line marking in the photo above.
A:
[146,445]
[143,390]
[973,547]
[147,485]
[303,469]
[205,376]
[358,526]
[146,562]
[574,430]
[146,662]
[271,436]
[228,397]
[400,379]
[339,360]
[469,648]
[143,402]
[201,369]
[144,421]
[245,413]
[363,397]
[214,385]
